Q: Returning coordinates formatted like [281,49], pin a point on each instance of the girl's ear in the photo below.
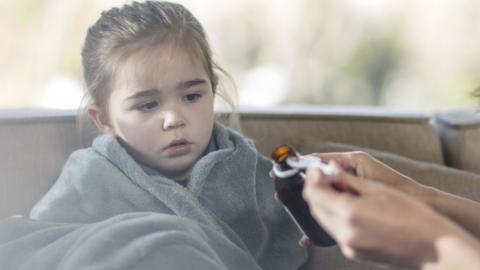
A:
[100,118]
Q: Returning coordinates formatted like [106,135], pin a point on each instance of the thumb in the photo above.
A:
[316,191]
[317,186]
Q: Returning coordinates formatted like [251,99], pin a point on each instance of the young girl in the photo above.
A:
[152,81]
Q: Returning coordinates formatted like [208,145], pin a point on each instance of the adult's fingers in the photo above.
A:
[320,193]
[349,161]
[356,185]
[320,196]
[339,157]
[326,202]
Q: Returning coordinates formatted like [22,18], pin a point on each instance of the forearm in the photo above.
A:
[459,251]
[463,211]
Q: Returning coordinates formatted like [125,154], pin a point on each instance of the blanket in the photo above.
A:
[124,242]
[229,193]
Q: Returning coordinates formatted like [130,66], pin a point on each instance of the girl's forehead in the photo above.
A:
[157,64]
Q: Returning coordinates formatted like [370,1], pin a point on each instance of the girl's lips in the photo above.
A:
[178,149]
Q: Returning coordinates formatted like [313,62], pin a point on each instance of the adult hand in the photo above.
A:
[364,165]
[376,223]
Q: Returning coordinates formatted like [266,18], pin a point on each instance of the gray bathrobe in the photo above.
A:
[229,193]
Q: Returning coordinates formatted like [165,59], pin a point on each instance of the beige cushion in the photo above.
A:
[35,144]
[406,134]
[459,131]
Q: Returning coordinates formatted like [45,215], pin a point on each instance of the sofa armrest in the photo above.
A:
[459,132]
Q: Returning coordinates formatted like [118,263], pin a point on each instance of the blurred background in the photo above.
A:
[402,54]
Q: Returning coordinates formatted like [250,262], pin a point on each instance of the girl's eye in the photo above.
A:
[192,97]
[148,106]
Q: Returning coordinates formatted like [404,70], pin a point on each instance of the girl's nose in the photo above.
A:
[173,119]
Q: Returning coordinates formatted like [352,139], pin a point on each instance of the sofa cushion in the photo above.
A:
[407,134]
[35,144]
[459,131]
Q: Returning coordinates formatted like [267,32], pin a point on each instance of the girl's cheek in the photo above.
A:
[143,136]
[139,136]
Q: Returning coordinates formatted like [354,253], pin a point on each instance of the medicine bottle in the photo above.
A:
[288,186]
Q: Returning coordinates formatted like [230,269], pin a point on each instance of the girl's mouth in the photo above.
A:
[178,148]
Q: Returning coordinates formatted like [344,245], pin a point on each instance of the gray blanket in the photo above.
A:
[124,242]
[228,201]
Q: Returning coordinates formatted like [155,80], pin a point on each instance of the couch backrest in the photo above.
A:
[459,131]
[36,143]
[407,134]
[34,146]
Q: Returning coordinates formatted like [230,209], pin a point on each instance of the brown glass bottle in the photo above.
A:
[289,191]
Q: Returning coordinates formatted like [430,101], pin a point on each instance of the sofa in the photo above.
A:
[440,149]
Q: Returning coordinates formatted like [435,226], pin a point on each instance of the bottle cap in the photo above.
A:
[281,153]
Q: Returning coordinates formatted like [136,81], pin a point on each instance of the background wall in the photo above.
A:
[419,55]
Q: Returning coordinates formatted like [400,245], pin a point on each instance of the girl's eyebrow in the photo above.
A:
[143,93]
[153,91]
[187,84]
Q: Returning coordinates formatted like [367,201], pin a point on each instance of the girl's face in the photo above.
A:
[161,108]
